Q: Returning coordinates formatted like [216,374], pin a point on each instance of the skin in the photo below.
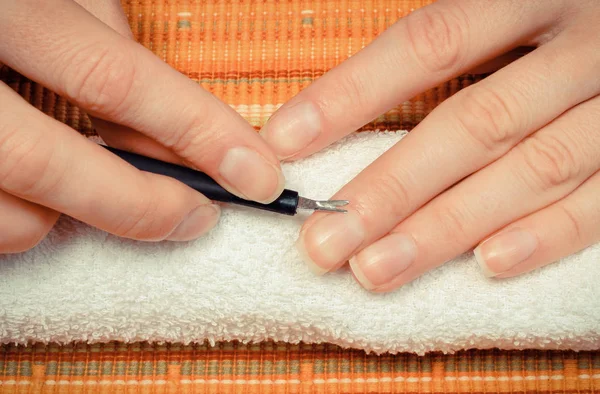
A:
[508,166]
[138,103]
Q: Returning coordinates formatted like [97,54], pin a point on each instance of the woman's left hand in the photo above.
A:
[510,164]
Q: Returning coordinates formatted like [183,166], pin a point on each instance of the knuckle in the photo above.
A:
[550,161]
[385,190]
[355,87]
[454,222]
[139,220]
[100,78]
[573,217]
[486,117]
[199,135]
[191,142]
[25,162]
[436,38]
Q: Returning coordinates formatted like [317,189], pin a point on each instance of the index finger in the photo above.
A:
[116,79]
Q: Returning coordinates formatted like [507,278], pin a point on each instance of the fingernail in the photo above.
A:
[252,175]
[306,258]
[197,223]
[330,241]
[384,260]
[292,129]
[504,251]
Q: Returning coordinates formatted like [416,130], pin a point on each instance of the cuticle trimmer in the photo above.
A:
[288,203]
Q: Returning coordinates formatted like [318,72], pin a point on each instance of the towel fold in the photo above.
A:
[245,281]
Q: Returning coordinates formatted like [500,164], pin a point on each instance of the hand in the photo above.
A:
[510,164]
[47,168]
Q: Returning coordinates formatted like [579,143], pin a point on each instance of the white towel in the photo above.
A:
[245,281]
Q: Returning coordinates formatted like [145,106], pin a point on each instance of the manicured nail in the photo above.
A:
[252,175]
[330,241]
[503,251]
[381,262]
[292,129]
[197,223]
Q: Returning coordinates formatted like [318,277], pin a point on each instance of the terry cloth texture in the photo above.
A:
[245,281]
[278,368]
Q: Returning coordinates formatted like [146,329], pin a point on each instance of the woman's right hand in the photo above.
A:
[138,103]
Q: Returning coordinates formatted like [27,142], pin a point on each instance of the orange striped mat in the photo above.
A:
[283,368]
[255,55]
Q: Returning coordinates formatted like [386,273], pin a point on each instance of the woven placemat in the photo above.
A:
[255,55]
[284,368]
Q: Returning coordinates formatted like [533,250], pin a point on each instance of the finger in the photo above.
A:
[464,134]
[43,161]
[115,135]
[540,171]
[546,236]
[429,46]
[116,79]
[23,224]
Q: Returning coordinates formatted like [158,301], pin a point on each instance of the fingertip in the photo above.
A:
[379,266]
[24,224]
[197,223]
[279,188]
[330,241]
[292,128]
[487,272]
[251,176]
[359,276]
[303,253]
[506,252]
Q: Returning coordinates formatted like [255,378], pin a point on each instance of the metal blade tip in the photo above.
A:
[327,205]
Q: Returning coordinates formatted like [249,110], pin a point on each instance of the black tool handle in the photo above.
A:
[286,203]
